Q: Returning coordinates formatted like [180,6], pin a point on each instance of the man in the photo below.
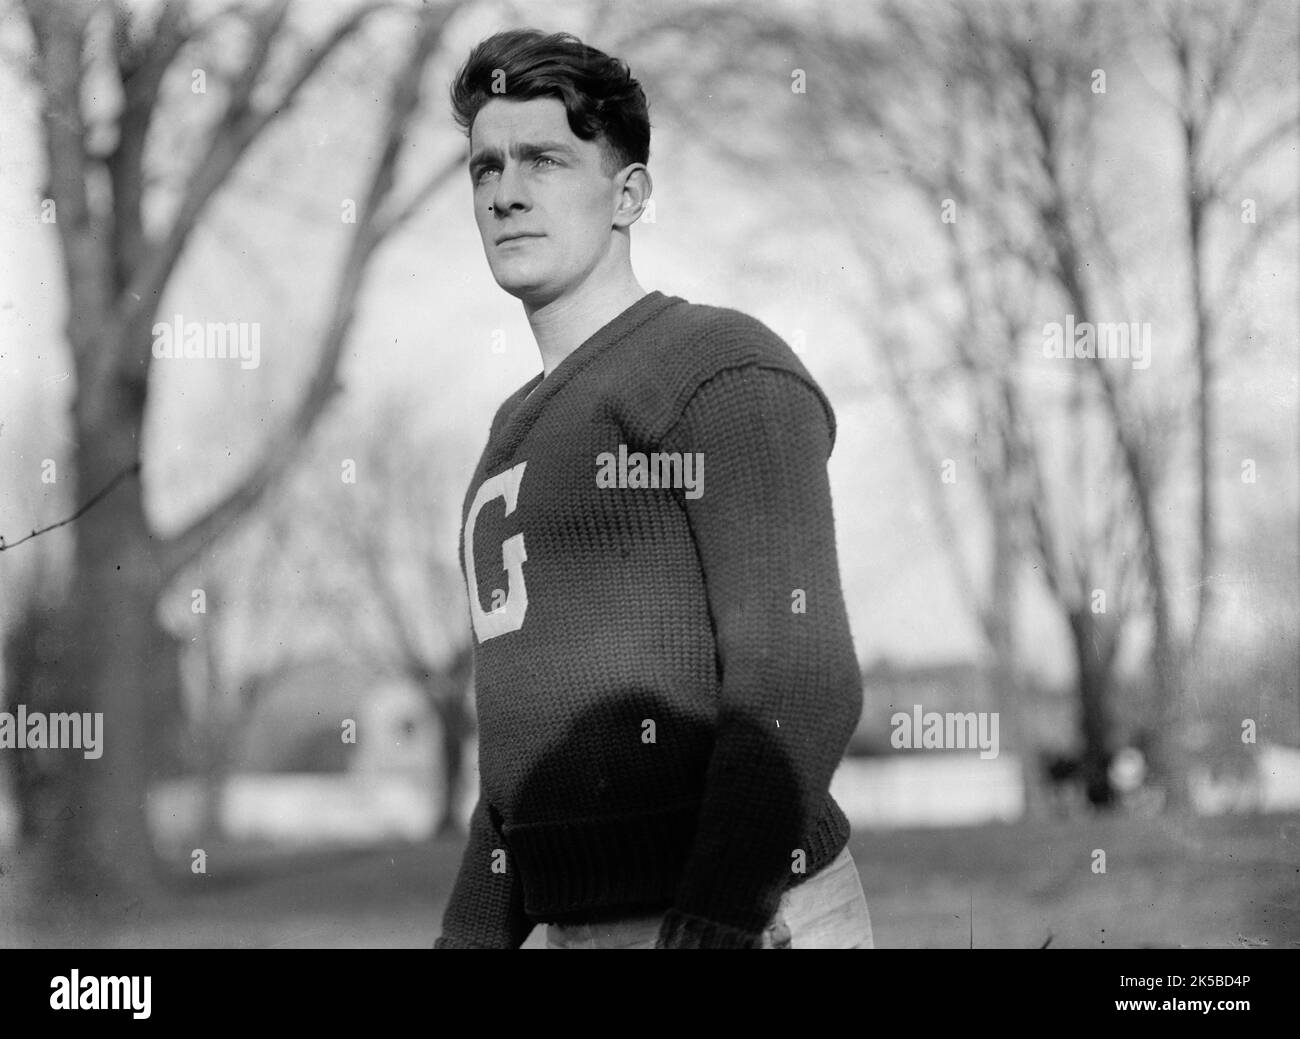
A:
[665,679]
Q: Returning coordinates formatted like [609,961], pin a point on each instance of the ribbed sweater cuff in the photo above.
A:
[719,887]
[450,942]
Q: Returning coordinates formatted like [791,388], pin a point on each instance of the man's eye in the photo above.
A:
[482,174]
[546,158]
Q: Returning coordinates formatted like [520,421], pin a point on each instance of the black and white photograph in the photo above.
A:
[671,475]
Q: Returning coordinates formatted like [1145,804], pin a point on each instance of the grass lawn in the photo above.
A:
[1225,881]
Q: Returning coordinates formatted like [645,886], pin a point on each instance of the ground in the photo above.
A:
[1225,881]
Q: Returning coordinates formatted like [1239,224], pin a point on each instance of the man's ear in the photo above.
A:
[634,193]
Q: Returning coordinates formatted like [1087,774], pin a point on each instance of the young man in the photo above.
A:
[665,678]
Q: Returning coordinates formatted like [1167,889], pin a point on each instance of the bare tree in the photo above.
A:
[1040,90]
[227,689]
[988,173]
[983,124]
[397,528]
[117,266]
[1209,46]
[360,563]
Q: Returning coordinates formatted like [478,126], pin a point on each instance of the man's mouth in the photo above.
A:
[516,236]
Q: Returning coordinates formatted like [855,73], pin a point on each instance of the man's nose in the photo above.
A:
[511,193]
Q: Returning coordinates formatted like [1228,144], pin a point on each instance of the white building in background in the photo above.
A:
[298,778]
[1266,780]
[297,782]
[938,788]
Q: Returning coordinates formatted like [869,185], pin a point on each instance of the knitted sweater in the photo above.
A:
[664,675]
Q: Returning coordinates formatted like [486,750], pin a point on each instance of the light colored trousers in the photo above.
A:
[826,911]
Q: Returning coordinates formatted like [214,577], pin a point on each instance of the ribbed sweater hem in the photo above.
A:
[583,870]
[827,839]
[452,942]
[577,869]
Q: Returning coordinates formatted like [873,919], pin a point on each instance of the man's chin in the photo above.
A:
[528,291]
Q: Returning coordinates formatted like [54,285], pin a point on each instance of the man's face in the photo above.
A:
[543,202]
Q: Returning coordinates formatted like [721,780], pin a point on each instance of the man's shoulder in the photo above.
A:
[719,333]
[688,344]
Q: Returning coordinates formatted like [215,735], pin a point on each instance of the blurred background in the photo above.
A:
[260,590]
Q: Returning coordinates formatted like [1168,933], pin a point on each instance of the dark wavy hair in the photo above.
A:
[603,102]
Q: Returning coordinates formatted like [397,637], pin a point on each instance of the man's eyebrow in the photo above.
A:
[482,157]
[532,149]
[527,150]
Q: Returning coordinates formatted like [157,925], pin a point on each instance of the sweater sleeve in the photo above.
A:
[790,684]
[486,907]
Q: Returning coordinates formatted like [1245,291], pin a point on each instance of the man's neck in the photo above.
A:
[563,325]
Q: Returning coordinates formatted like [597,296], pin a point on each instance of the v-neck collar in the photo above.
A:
[534,394]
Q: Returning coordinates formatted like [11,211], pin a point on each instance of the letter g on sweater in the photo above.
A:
[510,615]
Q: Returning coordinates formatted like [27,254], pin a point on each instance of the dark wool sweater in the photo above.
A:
[665,680]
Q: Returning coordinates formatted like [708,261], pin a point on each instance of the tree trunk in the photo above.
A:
[120,665]
[218,725]
[31,646]
[1093,657]
[1009,699]
[456,728]
[1167,760]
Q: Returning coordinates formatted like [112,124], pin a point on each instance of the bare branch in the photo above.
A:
[323,384]
[142,69]
[237,130]
[1223,60]
[1241,261]
[1218,184]
[94,500]
[60,32]
[387,223]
